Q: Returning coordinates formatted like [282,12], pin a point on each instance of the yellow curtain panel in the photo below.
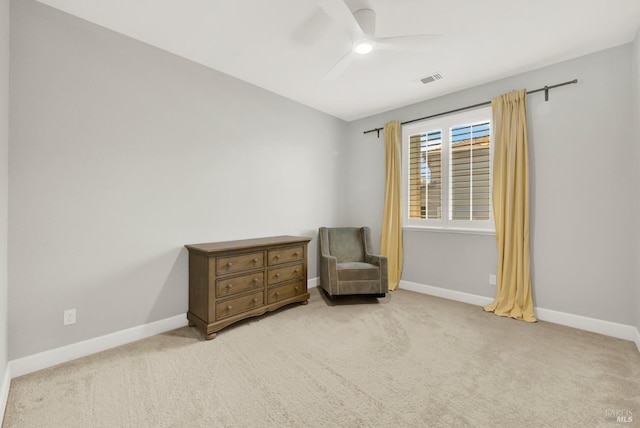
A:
[511,207]
[391,239]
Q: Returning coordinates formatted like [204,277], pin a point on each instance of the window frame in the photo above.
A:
[445,124]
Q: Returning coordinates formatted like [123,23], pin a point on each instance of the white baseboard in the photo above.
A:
[4,392]
[458,296]
[63,354]
[313,282]
[50,358]
[608,328]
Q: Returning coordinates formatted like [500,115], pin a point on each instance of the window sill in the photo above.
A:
[449,230]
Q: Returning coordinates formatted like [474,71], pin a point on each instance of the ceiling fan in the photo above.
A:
[360,26]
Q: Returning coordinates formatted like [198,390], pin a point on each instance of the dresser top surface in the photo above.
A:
[216,247]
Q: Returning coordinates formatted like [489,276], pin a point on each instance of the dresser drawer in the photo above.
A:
[239,263]
[285,291]
[285,255]
[228,287]
[284,274]
[239,304]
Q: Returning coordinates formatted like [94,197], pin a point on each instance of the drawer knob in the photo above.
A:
[229,307]
[277,275]
[295,288]
[229,264]
[255,280]
[295,271]
[255,299]
[255,261]
[295,254]
[277,256]
[277,293]
[229,286]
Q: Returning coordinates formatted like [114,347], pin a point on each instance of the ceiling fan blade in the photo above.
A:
[415,43]
[340,66]
[340,13]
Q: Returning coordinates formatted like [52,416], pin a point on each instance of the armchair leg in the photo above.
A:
[329,295]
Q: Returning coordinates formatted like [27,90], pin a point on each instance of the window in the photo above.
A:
[447,172]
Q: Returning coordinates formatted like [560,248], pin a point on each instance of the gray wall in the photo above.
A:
[4,179]
[582,191]
[122,153]
[636,123]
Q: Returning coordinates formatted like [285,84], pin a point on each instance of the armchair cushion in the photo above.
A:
[358,271]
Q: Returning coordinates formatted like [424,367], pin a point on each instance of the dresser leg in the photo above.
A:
[209,336]
[306,302]
[191,324]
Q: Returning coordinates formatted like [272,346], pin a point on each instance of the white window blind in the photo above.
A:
[426,175]
[448,172]
[469,172]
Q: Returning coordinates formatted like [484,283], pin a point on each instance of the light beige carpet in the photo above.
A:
[407,360]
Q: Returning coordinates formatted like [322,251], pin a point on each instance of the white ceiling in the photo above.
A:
[287,46]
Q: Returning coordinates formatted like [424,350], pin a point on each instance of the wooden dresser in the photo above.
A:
[234,280]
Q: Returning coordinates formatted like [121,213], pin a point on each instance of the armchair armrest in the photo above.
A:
[381,262]
[375,259]
[328,262]
[329,273]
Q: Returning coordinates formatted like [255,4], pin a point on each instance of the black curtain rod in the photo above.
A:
[546,98]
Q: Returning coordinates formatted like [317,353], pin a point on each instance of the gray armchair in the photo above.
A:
[347,265]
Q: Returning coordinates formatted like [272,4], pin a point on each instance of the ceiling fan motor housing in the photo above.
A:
[367,21]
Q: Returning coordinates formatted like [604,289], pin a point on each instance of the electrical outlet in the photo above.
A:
[492,279]
[69,316]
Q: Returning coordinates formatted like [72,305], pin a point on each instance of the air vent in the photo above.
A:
[432,78]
